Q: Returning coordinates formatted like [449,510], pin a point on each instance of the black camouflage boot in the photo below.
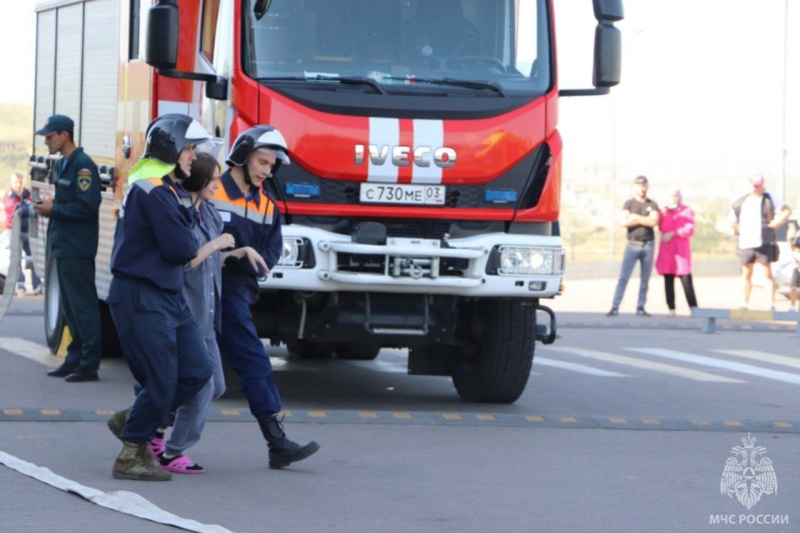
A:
[135,462]
[282,451]
[117,422]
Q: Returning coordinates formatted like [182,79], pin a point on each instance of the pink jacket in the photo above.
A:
[675,256]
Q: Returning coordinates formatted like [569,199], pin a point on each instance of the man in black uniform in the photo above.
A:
[72,236]
[640,217]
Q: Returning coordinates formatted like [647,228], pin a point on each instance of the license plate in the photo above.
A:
[388,193]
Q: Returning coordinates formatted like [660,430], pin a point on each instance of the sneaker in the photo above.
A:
[38,290]
[613,312]
[672,313]
[19,290]
[642,312]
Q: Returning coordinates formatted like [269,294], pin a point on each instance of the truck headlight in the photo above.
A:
[296,253]
[527,260]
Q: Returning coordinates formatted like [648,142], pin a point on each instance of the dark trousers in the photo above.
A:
[81,311]
[244,352]
[164,351]
[688,290]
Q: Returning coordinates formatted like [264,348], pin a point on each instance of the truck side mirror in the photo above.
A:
[608,10]
[607,50]
[607,55]
[161,47]
[217,89]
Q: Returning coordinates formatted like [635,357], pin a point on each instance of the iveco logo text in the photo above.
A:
[402,156]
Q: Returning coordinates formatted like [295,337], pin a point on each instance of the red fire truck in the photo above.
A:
[421,207]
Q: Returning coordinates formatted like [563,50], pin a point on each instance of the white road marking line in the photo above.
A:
[382,366]
[752,370]
[31,350]
[575,367]
[764,356]
[125,502]
[646,365]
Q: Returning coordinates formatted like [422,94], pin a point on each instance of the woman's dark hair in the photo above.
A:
[202,172]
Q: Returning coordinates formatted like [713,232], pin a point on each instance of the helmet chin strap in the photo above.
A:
[179,173]
[247,179]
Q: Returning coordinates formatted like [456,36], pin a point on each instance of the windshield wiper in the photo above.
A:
[469,84]
[346,80]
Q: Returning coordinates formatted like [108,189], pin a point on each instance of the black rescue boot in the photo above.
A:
[282,451]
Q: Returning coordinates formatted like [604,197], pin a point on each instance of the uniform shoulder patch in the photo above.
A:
[84,179]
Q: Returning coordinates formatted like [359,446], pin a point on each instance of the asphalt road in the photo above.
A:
[626,425]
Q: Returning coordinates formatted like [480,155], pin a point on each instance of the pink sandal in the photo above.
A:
[180,465]
[156,447]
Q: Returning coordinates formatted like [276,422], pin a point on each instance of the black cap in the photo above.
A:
[57,123]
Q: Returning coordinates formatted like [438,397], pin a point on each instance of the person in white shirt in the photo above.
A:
[755,216]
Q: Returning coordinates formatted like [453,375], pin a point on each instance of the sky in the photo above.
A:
[18,41]
[700,105]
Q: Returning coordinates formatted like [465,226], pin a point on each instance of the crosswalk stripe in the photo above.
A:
[786,377]
[764,356]
[382,366]
[575,367]
[31,350]
[654,366]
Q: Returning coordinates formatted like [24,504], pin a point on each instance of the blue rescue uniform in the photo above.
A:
[153,244]
[253,220]
[73,232]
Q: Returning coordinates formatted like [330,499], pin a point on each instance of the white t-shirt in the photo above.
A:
[750,223]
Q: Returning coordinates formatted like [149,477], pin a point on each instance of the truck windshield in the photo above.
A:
[404,45]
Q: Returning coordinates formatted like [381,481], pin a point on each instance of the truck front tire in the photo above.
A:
[497,365]
[53,315]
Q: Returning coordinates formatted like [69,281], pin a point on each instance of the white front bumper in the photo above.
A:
[326,277]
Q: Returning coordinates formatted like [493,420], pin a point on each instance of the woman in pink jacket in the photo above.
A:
[675,250]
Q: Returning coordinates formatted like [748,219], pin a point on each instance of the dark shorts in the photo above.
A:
[795,283]
[763,254]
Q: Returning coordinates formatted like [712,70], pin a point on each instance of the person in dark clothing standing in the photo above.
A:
[72,237]
[253,218]
[153,247]
[640,217]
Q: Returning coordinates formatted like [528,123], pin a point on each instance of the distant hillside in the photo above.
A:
[16,133]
